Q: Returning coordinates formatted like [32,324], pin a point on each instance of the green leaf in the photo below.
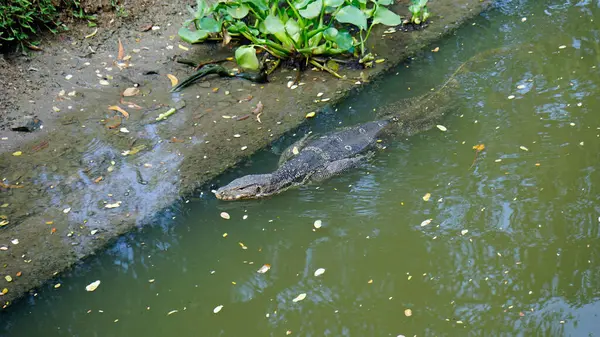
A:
[301,4]
[273,24]
[238,12]
[344,40]
[195,36]
[385,2]
[386,17]
[330,34]
[293,29]
[353,15]
[312,10]
[245,56]
[201,9]
[209,24]
[335,3]
[261,5]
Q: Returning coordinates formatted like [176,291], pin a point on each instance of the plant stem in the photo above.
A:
[324,68]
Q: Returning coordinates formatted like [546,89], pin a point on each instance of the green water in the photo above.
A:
[511,250]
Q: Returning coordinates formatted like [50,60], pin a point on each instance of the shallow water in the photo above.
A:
[512,247]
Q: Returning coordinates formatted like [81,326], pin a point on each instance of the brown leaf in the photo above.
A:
[119,109]
[146,28]
[226,37]
[121,51]
[99,179]
[129,104]
[259,108]
[173,79]
[113,122]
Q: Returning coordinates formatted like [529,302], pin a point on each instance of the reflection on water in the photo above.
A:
[511,248]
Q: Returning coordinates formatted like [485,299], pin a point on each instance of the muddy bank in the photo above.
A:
[73,186]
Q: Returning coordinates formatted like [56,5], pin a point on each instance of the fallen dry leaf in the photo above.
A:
[225,215]
[173,79]
[121,51]
[119,109]
[407,312]
[427,196]
[131,92]
[319,271]
[217,308]
[92,286]
[265,268]
[299,297]
[441,127]
[426,222]
[259,108]
[146,28]
[318,224]
[114,205]
[479,147]
[311,114]
[436,49]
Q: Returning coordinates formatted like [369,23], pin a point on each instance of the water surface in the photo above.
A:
[511,249]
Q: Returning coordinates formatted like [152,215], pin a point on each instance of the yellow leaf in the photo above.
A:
[4,291]
[17,153]
[92,34]
[427,196]
[407,312]
[311,114]
[119,109]
[479,147]
[436,49]
[173,79]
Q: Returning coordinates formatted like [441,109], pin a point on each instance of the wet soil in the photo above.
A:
[76,184]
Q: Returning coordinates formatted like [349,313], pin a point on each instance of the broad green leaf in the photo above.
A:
[344,40]
[386,17]
[385,2]
[330,34]
[293,29]
[335,3]
[195,36]
[353,15]
[273,24]
[261,5]
[301,4]
[201,8]
[312,10]
[425,14]
[314,41]
[238,12]
[422,3]
[245,56]
[209,24]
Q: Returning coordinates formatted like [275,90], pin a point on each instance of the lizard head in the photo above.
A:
[252,186]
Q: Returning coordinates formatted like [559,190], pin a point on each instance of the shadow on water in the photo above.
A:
[511,248]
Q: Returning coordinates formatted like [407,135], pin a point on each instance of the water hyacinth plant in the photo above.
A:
[290,29]
[419,11]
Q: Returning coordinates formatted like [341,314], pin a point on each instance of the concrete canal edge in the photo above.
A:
[80,192]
